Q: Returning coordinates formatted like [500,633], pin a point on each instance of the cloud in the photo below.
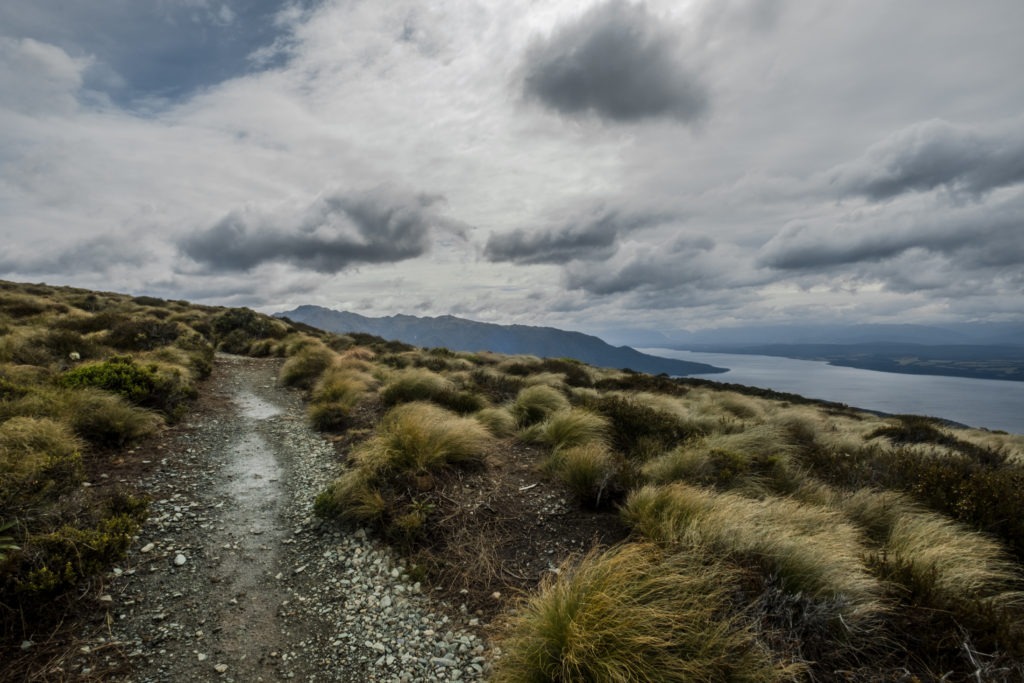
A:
[617,61]
[649,267]
[981,235]
[97,255]
[589,237]
[335,232]
[933,154]
[37,77]
[145,50]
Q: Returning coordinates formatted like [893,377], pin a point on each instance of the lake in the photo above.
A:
[989,403]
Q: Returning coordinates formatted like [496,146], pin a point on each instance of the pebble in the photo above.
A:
[180,560]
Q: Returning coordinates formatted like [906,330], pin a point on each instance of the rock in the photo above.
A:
[220,668]
[179,560]
[146,548]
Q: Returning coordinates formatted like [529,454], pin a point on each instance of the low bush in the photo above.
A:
[107,420]
[158,386]
[637,429]
[634,614]
[145,334]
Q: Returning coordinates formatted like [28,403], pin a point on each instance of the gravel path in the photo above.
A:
[232,578]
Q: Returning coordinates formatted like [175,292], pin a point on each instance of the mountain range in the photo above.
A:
[460,334]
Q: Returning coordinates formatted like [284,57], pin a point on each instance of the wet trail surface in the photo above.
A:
[232,578]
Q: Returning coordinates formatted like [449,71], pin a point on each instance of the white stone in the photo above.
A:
[179,559]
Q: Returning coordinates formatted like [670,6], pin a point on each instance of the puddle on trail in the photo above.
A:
[254,407]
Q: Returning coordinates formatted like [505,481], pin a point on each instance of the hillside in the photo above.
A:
[587,523]
[460,334]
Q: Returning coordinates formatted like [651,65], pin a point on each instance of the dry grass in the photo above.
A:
[633,614]
[587,470]
[811,549]
[573,427]
[499,421]
[308,359]
[535,403]
[418,437]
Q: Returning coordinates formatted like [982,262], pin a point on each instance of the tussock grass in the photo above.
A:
[417,437]
[535,403]
[588,470]
[573,427]
[38,457]
[760,458]
[498,421]
[308,360]
[811,549]
[336,394]
[633,614]
[421,384]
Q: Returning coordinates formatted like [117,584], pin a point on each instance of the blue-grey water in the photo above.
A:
[989,403]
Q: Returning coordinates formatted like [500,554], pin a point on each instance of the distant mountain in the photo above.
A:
[460,334]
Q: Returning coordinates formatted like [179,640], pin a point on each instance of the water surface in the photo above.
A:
[989,403]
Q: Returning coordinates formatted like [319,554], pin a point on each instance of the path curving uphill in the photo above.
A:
[232,578]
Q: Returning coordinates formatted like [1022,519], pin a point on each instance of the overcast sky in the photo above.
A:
[653,165]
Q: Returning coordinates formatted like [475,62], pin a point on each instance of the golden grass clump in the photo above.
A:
[305,364]
[759,458]
[336,394]
[812,549]
[420,436]
[414,384]
[36,455]
[535,403]
[573,427]
[633,614]
[587,470]
[499,421]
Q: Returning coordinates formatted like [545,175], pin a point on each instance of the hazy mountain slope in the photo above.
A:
[467,335]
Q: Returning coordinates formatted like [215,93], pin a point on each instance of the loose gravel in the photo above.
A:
[232,578]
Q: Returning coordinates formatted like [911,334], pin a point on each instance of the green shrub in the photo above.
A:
[634,614]
[637,429]
[142,335]
[159,386]
[58,561]
[535,403]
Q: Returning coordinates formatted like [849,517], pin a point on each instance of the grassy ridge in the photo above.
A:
[772,537]
[84,376]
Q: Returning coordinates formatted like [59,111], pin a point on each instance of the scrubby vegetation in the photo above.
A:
[84,376]
[771,537]
[754,536]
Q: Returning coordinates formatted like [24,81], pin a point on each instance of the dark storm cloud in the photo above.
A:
[150,49]
[976,236]
[336,232]
[618,61]
[686,262]
[591,237]
[934,154]
[97,255]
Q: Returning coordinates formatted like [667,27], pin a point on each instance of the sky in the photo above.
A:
[599,166]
